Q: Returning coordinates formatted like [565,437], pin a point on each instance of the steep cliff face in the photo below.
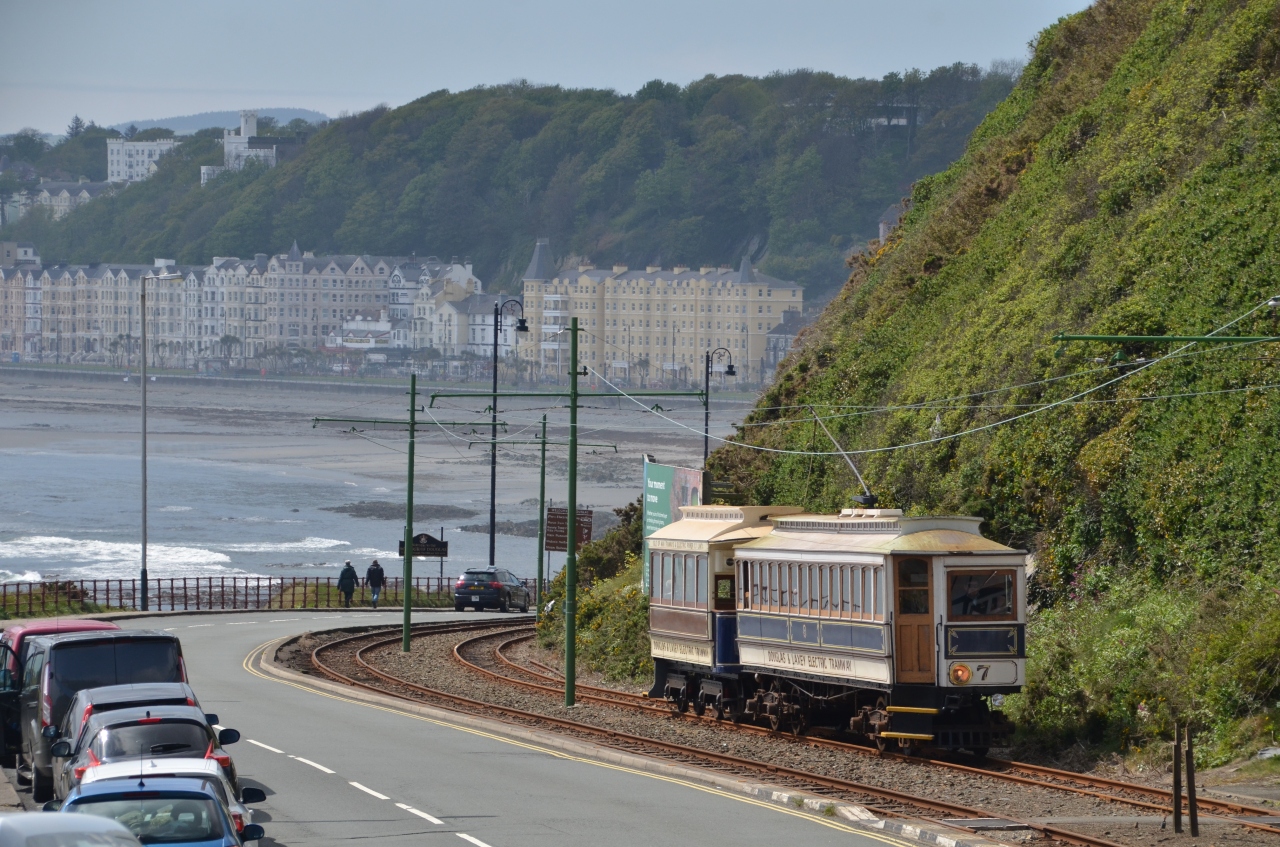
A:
[1127,186]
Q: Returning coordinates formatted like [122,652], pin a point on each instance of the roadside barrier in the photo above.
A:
[38,599]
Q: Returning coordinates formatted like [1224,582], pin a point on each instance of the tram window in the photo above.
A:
[800,573]
[824,588]
[677,579]
[987,595]
[666,577]
[868,591]
[793,578]
[913,587]
[879,589]
[773,586]
[703,575]
[655,574]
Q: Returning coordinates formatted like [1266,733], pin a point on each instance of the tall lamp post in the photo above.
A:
[718,353]
[521,326]
[146,601]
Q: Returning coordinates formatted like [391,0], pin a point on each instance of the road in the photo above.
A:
[336,770]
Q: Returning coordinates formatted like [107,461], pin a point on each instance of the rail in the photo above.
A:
[216,593]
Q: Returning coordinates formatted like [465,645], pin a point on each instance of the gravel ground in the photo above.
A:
[431,664]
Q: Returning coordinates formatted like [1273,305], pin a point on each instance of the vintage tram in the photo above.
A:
[902,629]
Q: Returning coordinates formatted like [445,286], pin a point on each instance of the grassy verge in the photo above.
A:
[328,597]
[613,624]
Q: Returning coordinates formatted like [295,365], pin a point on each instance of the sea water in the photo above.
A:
[74,515]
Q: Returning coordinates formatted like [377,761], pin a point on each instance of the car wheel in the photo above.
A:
[524,607]
[458,607]
[24,776]
[503,605]
[41,786]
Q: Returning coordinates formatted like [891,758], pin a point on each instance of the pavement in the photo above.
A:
[336,768]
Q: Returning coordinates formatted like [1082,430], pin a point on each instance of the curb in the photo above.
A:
[849,814]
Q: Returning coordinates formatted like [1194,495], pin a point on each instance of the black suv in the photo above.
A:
[490,588]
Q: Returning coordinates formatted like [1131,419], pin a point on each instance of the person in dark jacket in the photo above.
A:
[374,577]
[347,581]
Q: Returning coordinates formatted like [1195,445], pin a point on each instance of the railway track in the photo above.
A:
[1149,798]
[345,660]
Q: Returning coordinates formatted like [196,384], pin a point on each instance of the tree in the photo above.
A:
[131,131]
[75,127]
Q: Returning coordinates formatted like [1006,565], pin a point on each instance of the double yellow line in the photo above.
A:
[260,649]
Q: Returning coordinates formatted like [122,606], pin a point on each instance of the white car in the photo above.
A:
[181,766]
[21,829]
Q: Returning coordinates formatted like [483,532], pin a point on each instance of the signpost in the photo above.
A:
[558,528]
[426,546]
[666,489]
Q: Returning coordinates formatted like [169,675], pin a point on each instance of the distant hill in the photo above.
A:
[187,124]
[794,168]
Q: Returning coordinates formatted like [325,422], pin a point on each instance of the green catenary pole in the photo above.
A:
[570,562]
[542,516]
[408,515]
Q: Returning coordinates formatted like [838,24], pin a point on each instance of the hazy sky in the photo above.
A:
[139,59]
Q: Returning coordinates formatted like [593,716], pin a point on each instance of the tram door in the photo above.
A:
[913,621]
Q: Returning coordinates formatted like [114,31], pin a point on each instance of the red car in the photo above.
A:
[12,647]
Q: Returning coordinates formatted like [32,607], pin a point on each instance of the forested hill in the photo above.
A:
[1127,186]
[797,167]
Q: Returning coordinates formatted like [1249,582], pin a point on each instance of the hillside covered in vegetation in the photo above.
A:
[796,168]
[1127,186]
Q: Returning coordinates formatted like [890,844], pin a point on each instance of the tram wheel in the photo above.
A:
[718,709]
[699,707]
[775,722]
[980,752]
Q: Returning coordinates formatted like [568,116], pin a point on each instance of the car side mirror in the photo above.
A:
[61,750]
[52,806]
[252,832]
[228,736]
[253,795]
[49,732]
[211,719]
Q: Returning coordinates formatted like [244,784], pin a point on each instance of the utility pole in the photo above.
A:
[542,515]
[571,561]
[146,603]
[521,326]
[408,515]
[717,353]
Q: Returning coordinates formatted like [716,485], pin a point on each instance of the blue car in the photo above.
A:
[174,811]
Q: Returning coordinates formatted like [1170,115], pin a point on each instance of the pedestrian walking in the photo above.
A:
[347,581]
[374,577]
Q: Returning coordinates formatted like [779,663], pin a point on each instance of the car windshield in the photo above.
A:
[81,839]
[479,576]
[151,739]
[116,662]
[156,818]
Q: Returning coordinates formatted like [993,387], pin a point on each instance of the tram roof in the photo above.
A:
[721,524]
[877,533]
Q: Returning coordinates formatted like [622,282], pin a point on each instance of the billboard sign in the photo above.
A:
[666,489]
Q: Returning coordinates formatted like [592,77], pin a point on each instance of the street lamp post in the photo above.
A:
[521,326]
[718,353]
[146,601]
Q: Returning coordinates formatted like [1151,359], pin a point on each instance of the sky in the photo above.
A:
[113,61]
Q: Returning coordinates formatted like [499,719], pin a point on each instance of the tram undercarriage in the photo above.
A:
[905,718]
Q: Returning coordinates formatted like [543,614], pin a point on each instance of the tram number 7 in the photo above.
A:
[983,670]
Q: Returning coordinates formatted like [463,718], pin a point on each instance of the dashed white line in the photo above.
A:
[170,628]
[219,727]
[472,839]
[420,814]
[315,765]
[283,620]
[264,746]
[241,623]
[198,625]
[367,790]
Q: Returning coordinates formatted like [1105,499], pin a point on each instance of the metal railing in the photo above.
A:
[230,593]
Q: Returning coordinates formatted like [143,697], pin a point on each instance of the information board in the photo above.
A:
[666,489]
[558,529]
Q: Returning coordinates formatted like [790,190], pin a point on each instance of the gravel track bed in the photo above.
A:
[431,663]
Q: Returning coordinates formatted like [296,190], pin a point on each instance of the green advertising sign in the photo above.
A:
[666,489]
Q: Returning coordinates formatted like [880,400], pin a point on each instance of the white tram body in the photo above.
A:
[893,627]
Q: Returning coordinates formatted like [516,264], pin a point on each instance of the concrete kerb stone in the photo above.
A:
[849,814]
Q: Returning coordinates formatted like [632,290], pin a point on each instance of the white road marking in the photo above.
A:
[315,765]
[420,814]
[283,620]
[367,790]
[241,623]
[475,841]
[198,625]
[264,746]
[219,727]
[172,628]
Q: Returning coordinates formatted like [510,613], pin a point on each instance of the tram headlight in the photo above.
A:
[997,700]
[960,674]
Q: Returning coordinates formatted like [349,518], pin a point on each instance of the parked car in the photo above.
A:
[56,667]
[182,766]
[13,644]
[27,830]
[110,698]
[153,731]
[490,588]
[174,811]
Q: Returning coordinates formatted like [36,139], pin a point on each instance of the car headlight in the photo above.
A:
[960,674]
